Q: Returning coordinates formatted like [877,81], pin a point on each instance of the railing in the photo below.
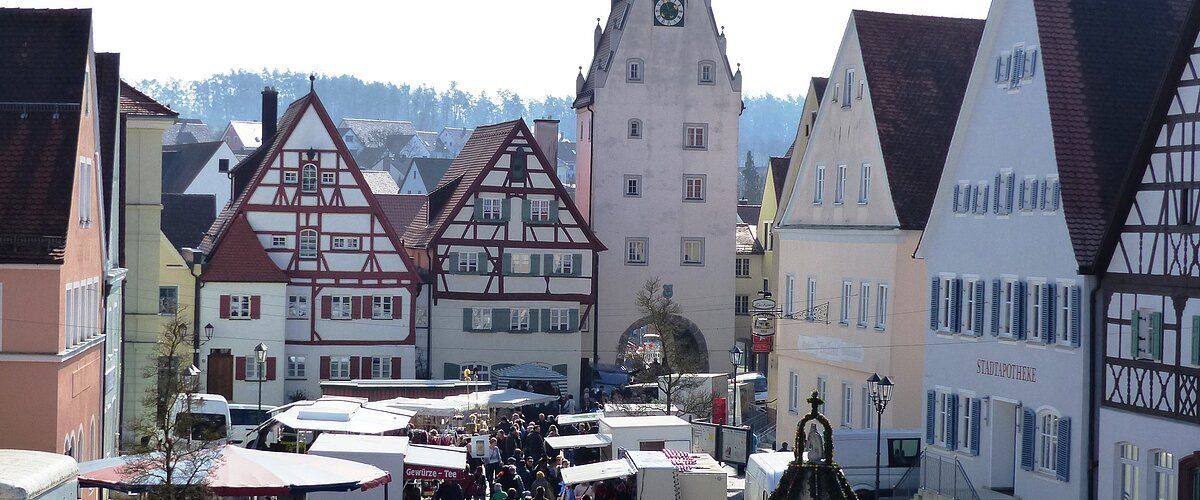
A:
[945,476]
[909,483]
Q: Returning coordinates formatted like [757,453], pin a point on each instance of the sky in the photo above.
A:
[531,47]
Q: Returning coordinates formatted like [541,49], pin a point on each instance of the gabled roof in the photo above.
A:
[429,138]
[249,132]
[779,171]
[181,163]
[818,84]
[432,169]
[187,131]
[747,244]
[748,214]
[370,156]
[135,102]
[241,258]
[185,218]
[917,69]
[108,97]
[460,136]
[400,209]
[374,133]
[1097,114]
[380,182]
[43,54]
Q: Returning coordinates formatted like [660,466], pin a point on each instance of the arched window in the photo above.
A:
[92,442]
[308,244]
[308,178]
[1047,441]
[69,445]
[635,129]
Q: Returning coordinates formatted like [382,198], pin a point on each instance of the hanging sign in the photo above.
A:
[762,344]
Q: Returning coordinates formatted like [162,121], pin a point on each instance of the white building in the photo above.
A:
[198,168]
[305,262]
[658,134]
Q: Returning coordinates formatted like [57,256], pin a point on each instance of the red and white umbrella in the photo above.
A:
[241,472]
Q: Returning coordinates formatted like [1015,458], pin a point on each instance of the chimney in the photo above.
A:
[270,112]
[545,132]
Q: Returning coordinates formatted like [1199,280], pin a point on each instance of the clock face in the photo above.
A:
[668,12]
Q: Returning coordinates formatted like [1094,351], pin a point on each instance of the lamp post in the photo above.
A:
[260,357]
[881,395]
[736,357]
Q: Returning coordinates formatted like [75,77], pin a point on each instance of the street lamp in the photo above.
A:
[881,395]
[260,356]
[736,357]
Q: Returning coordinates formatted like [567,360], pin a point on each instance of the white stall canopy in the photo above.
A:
[580,418]
[427,407]
[435,462]
[579,441]
[344,416]
[598,471]
[503,398]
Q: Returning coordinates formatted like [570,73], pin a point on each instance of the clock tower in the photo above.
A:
[657,166]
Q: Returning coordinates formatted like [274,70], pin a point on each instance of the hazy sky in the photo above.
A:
[533,47]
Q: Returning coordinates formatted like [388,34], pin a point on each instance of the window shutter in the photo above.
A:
[545,322]
[484,262]
[324,367]
[396,368]
[354,367]
[364,364]
[468,319]
[999,66]
[573,323]
[1156,335]
[453,263]
[239,367]
[534,323]
[577,264]
[952,435]
[525,211]
[547,264]
[957,194]
[1022,310]
[1018,67]
[326,307]
[1062,459]
[1196,340]
[224,307]
[976,408]
[996,204]
[505,208]
[956,306]
[1021,199]
[478,214]
[397,307]
[995,307]
[1135,326]
[1028,437]
[1048,313]
[1008,197]
[535,264]
[1076,314]
[501,322]
[978,312]
[255,306]
[450,372]
[930,416]
[1057,196]
[934,285]
[983,200]
[270,367]
[356,307]
[554,210]
[368,306]
[1031,63]
[507,264]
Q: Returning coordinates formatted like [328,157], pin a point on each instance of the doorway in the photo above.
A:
[220,373]
[1003,456]
[1189,477]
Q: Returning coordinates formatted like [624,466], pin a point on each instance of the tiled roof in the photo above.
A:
[747,244]
[187,131]
[1097,114]
[249,132]
[779,171]
[429,138]
[368,157]
[136,102]
[241,258]
[818,84]
[432,169]
[181,164]
[917,68]
[374,133]
[400,209]
[43,53]
[185,218]
[748,214]
[380,182]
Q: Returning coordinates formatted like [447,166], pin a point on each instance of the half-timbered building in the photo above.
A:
[509,262]
[303,261]
[1149,419]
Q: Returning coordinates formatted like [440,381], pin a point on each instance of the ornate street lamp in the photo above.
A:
[736,357]
[260,356]
[881,394]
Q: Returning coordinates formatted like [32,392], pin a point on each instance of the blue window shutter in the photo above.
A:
[1135,326]
[957,195]
[545,323]
[534,324]
[1076,312]
[996,204]
[453,262]
[573,320]
[507,264]
[934,286]
[952,434]
[482,259]
[1056,200]
[548,264]
[1062,460]
[1028,437]
[1156,336]
[1021,198]
[478,207]
[1048,313]
[505,208]
[577,264]
[1196,340]
[956,306]
[1033,194]
[930,416]
[535,264]
[976,407]
[995,307]
[1022,310]
[467,319]
[1008,197]
[978,312]
[554,210]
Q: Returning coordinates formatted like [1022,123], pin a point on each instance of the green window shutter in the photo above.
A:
[451,372]
[547,264]
[482,259]
[1135,327]
[1156,335]
[507,264]
[554,210]
[545,320]
[525,209]
[453,262]
[467,319]
[501,320]
[478,215]
[577,265]
[505,208]
[535,264]
[1196,340]
[534,324]
[573,320]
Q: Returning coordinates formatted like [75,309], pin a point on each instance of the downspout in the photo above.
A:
[197,262]
[1095,366]
[429,319]
[596,255]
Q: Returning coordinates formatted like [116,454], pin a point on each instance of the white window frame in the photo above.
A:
[520,263]
[1037,323]
[706,73]
[1128,471]
[309,244]
[339,368]
[810,298]
[965,420]
[328,178]
[839,188]
[560,320]
[539,210]
[297,306]
[637,251]
[868,409]
[695,136]
[1046,460]
[481,318]
[239,307]
[278,241]
[291,177]
[341,307]
[864,303]
[296,367]
[633,186]
[741,267]
[347,243]
[308,178]
[942,412]
[168,305]
[819,186]
[254,369]
[1008,307]
[864,183]
[1029,193]
[847,405]
[881,305]
[381,367]
[983,197]
[493,209]
[847,293]
[945,301]
[962,203]
[1162,465]
[1051,194]
[790,296]
[793,392]
[970,285]
[1064,320]
[381,307]
[822,392]
[694,188]
[468,262]
[848,87]
[563,264]
[691,252]
[518,319]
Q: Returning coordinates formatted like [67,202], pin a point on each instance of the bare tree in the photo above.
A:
[178,448]
[675,361]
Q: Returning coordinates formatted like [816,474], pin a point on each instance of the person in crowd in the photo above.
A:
[548,450]
[525,470]
[510,444]
[541,486]
[449,490]
[543,423]
[512,494]
[535,446]
[783,447]
[412,490]
[493,458]
[475,486]
[497,493]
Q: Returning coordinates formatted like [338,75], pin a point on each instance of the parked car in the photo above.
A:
[209,421]
[855,452]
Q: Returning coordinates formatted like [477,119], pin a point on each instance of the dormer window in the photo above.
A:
[308,178]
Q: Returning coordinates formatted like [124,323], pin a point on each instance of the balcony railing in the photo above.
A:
[1152,388]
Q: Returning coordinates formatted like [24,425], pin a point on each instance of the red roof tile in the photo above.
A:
[241,258]
[400,209]
[135,102]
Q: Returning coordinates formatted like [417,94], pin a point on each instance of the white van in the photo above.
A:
[210,414]
[243,418]
[763,473]
[759,381]
[855,449]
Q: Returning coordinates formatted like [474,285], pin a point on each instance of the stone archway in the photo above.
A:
[690,333]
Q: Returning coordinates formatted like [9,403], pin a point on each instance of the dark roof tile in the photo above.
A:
[181,163]
[185,218]
[136,102]
[779,171]
[748,214]
[400,209]
[241,258]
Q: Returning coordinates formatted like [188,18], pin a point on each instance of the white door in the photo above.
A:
[1003,452]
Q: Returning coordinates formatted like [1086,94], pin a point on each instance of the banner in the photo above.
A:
[428,473]
[761,344]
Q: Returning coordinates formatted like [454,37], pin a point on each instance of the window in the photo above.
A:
[706,76]
[85,192]
[1164,475]
[634,73]
[839,189]
[346,243]
[693,188]
[1047,443]
[1052,195]
[810,299]
[1029,194]
[848,87]
[289,176]
[563,264]
[341,307]
[741,305]
[881,304]
[308,244]
[381,367]
[793,392]
[1008,307]
[864,303]
[944,420]
[328,178]
[481,319]
[539,210]
[254,369]
[493,209]
[168,300]
[790,296]
[518,320]
[864,184]
[1003,202]
[520,263]
[847,405]
[945,300]
[297,307]
[966,419]
[819,187]
[339,367]
[862,89]
[308,178]
[695,136]
[239,307]
[633,186]
[468,262]
[560,320]
[635,129]
[1038,313]
[770,237]
[635,250]
[847,292]
[1128,482]
[981,197]
[868,409]
[693,251]
[962,197]
[742,267]
[971,293]
[381,307]
[822,384]
[517,166]
[279,242]
[1065,313]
